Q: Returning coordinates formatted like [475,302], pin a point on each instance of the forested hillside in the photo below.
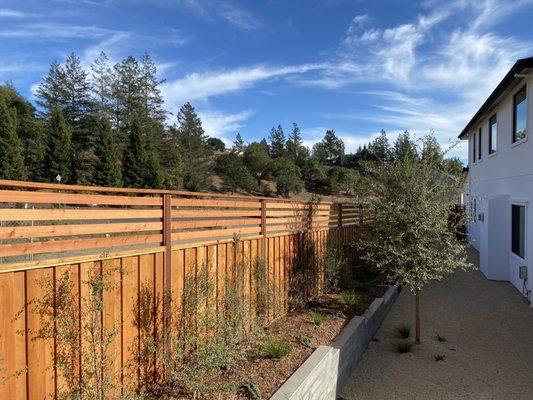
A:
[109,126]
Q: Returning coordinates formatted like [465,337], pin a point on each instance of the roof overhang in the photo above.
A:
[507,82]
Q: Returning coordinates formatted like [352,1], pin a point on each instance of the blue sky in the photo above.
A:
[350,65]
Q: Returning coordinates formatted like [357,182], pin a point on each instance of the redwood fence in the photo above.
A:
[148,238]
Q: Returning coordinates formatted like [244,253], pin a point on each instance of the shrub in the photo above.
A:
[275,348]
[402,331]
[249,389]
[350,298]
[440,338]
[318,318]
[332,267]
[439,357]
[307,341]
[403,346]
[79,337]
[363,286]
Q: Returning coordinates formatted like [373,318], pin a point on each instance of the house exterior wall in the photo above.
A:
[497,181]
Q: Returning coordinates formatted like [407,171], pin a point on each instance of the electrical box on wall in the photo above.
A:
[481,217]
[522,272]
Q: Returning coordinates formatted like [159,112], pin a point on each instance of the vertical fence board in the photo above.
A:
[40,359]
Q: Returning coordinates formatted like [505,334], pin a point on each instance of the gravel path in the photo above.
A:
[488,352]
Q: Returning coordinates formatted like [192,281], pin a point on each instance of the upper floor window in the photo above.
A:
[479,144]
[520,115]
[493,134]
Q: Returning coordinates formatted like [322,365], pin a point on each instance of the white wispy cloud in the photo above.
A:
[240,17]
[223,125]
[434,87]
[201,86]
[17,14]
[56,31]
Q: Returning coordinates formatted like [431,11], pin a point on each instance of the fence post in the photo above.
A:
[264,227]
[310,216]
[340,215]
[361,216]
[167,297]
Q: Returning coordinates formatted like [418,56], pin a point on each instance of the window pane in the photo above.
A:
[520,115]
[493,135]
[474,148]
[479,144]
[518,229]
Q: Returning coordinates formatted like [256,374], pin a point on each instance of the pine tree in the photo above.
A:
[152,100]
[153,177]
[51,91]
[107,168]
[59,157]
[127,97]
[296,151]
[192,144]
[11,159]
[77,92]
[29,130]
[102,86]
[238,144]
[277,142]
[135,157]
[379,149]
[404,147]
[330,150]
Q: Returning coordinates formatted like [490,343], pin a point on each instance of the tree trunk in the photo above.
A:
[417,316]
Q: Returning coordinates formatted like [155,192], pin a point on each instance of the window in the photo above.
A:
[520,115]
[474,148]
[518,229]
[479,144]
[493,135]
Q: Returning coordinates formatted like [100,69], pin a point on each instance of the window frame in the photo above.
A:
[493,121]
[523,232]
[523,88]
[479,145]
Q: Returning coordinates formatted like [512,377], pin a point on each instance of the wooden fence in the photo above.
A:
[147,238]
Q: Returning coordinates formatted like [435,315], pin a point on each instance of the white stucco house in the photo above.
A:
[499,189]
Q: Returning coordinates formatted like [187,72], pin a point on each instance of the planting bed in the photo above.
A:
[267,374]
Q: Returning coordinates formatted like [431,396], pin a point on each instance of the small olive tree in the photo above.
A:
[411,241]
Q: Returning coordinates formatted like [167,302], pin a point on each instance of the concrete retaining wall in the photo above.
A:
[326,371]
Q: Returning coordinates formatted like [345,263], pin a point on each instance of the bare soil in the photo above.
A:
[270,374]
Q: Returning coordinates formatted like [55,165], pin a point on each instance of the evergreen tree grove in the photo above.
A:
[107,170]
[59,157]
[11,158]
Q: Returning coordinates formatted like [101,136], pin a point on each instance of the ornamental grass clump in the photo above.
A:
[275,348]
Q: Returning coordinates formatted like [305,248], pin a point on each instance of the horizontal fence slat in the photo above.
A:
[215,213]
[16,214]
[40,231]
[8,250]
[216,203]
[214,233]
[11,196]
[214,223]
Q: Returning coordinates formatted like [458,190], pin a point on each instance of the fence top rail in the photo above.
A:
[101,189]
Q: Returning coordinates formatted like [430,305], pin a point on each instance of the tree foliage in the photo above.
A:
[410,240]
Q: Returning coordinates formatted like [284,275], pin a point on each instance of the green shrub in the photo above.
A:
[350,298]
[275,348]
[403,346]
[402,331]
[439,357]
[318,318]
[307,341]
[440,338]
[363,287]
[249,389]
